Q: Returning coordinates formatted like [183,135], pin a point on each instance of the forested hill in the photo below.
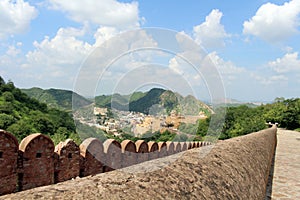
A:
[154,99]
[22,115]
[57,98]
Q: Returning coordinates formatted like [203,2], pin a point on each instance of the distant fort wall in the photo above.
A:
[37,162]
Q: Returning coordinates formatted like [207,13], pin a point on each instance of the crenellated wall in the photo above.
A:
[236,168]
[36,162]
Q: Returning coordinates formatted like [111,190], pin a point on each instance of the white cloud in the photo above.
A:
[13,51]
[58,56]
[274,23]
[104,33]
[228,70]
[15,17]
[104,12]
[288,63]
[271,80]
[211,33]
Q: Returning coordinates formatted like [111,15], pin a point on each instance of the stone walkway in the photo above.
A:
[286,172]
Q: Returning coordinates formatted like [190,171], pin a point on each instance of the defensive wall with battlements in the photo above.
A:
[37,162]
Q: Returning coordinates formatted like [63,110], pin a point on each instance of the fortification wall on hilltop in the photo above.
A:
[36,162]
[237,168]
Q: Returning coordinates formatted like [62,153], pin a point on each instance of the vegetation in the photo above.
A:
[285,112]
[156,99]
[22,115]
[241,120]
[56,98]
[158,137]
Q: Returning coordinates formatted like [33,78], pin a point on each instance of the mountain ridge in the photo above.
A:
[154,100]
[57,98]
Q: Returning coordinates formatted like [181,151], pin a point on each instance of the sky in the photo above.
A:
[103,46]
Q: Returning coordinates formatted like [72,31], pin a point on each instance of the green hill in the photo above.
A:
[57,98]
[22,115]
[155,99]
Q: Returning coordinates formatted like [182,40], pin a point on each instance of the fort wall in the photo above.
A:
[36,162]
[236,168]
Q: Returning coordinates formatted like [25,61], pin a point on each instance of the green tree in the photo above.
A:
[20,129]
[203,125]
[6,120]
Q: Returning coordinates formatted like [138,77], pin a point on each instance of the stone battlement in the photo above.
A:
[236,168]
[37,162]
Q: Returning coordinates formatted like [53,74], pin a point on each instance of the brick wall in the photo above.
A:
[68,155]
[8,162]
[162,148]
[91,150]
[170,148]
[153,150]
[129,153]
[36,162]
[112,150]
[142,151]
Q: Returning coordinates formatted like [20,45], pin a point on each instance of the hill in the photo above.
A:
[22,115]
[155,100]
[57,98]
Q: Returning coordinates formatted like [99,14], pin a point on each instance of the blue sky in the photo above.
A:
[254,44]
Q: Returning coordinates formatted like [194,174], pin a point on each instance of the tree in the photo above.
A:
[8,96]
[203,125]
[6,120]
[291,117]
[20,129]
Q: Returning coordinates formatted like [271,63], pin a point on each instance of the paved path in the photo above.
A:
[286,174]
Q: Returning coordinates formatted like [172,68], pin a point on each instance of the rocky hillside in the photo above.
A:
[155,101]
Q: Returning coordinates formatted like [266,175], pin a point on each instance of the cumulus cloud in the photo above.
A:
[104,33]
[228,70]
[104,12]
[211,33]
[58,55]
[15,17]
[288,63]
[274,23]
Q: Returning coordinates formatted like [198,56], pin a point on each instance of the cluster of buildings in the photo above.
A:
[139,123]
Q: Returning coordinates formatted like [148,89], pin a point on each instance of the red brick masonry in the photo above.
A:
[36,162]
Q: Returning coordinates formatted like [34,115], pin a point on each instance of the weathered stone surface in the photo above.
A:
[183,146]
[92,151]
[112,151]
[233,169]
[38,165]
[153,150]
[177,147]
[8,162]
[162,148]
[142,151]
[129,155]
[68,161]
[189,145]
[170,148]
[285,182]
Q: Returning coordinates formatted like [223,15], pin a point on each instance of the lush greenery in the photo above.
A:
[56,98]
[22,115]
[285,112]
[155,101]
[241,120]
